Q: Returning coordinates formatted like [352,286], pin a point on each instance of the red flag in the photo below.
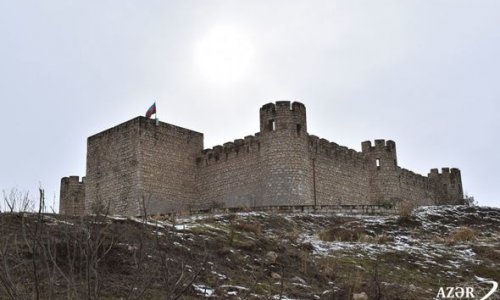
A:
[151,110]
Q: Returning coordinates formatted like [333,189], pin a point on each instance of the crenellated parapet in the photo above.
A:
[283,116]
[447,176]
[417,180]
[450,181]
[382,154]
[332,150]
[230,150]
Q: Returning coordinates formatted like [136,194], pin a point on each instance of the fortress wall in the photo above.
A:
[167,166]
[341,176]
[416,188]
[72,197]
[112,176]
[230,175]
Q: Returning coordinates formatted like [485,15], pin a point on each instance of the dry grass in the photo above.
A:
[460,235]
[254,227]
[342,234]
[383,238]
[353,235]
[405,209]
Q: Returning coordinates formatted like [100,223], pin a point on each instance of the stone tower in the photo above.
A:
[72,196]
[383,168]
[286,166]
[141,164]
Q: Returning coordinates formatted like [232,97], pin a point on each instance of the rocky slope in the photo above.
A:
[250,255]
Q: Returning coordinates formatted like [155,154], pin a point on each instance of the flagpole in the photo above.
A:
[156,115]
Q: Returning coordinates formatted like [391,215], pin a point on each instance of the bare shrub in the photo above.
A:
[16,200]
[254,227]
[383,238]
[469,200]
[405,208]
[365,238]
[341,234]
[462,234]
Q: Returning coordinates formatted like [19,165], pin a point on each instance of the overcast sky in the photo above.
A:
[422,73]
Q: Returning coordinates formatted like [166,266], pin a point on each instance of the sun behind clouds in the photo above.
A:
[224,55]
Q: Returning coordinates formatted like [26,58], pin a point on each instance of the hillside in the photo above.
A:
[250,255]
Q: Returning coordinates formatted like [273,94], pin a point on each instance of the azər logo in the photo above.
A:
[458,292]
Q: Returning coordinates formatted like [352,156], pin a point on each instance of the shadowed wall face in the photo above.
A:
[140,166]
[72,196]
[167,166]
[112,170]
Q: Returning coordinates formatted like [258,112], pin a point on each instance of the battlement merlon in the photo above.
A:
[445,173]
[382,153]
[379,144]
[283,115]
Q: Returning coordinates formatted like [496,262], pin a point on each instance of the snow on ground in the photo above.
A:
[424,250]
[419,242]
[203,290]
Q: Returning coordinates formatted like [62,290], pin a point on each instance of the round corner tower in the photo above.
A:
[286,167]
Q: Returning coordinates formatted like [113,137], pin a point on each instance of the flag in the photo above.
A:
[151,110]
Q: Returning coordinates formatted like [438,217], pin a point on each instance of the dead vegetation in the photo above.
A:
[342,234]
[461,235]
[405,209]
[241,256]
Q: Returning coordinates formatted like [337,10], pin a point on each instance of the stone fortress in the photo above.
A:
[144,164]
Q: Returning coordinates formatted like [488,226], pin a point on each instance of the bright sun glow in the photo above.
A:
[224,55]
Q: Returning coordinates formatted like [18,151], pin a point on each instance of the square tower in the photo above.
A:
[142,163]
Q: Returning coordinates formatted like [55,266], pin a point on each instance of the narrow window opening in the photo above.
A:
[299,128]
[258,146]
[377,163]
[248,149]
[272,125]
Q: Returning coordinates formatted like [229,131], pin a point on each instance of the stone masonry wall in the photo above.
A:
[143,165]
[167,166]
[447,185]
[341,174]
[231,175]
[72,196]
[112,164]
[163,168]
